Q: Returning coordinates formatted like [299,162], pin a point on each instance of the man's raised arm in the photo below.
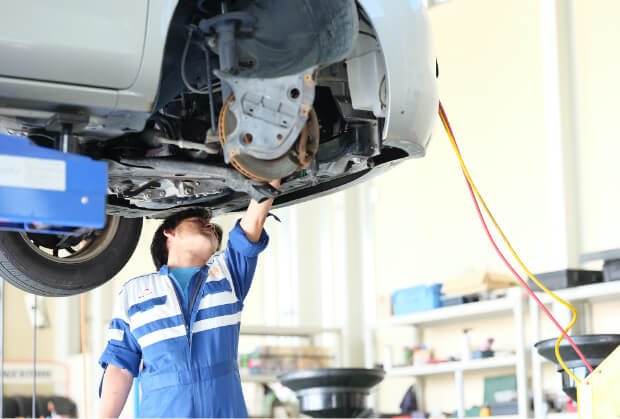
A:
[254,218]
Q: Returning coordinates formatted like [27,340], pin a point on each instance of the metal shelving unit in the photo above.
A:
[511,304]
[310,333]
[451,367]
[443,315]
[259,378]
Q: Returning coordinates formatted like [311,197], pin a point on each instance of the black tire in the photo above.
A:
[32,271]
[24,407]
[64,406]
[9,408]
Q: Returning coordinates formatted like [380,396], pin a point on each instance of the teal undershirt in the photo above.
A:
[184,277]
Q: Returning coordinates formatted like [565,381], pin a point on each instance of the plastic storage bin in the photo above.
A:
[566,279]
[416,299]
[447,300]
[611,270]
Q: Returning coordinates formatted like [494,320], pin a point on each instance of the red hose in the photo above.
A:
[523,283]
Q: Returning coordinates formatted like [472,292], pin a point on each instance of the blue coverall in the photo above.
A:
[188,349]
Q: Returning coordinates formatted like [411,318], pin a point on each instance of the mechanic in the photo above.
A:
[181,325]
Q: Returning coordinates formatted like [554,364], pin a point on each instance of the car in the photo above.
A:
[201,103]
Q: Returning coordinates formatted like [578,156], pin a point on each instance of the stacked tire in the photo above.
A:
[21,406]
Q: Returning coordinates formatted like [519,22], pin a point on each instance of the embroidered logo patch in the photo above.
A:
[145,293]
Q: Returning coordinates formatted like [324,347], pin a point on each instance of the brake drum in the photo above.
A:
[299,156]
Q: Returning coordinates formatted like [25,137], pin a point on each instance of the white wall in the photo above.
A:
[599,65]
[497,85]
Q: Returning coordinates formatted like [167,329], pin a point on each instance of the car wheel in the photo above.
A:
[53,265]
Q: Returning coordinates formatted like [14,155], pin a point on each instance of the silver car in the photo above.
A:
[201,102]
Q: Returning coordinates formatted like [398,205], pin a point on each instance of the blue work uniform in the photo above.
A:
[188,349]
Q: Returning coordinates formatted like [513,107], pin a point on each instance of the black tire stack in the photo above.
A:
[21,406]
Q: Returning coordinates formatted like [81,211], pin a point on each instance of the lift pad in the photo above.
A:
[47,191]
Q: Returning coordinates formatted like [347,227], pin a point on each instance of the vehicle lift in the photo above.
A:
[43,190]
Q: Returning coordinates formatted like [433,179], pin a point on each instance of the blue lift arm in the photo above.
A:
[47,191]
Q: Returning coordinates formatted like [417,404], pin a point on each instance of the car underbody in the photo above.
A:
[247,91]
[236,115]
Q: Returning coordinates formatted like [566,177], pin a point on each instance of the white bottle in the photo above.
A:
[466,349]
[387,358]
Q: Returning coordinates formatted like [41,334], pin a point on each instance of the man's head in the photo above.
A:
[189,233]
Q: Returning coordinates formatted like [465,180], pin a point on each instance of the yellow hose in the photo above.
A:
[514,253]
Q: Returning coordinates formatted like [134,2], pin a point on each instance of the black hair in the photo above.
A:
[159,245]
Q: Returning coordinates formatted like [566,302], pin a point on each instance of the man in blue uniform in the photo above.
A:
[178,329]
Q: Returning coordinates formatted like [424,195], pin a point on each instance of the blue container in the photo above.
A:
[416,299]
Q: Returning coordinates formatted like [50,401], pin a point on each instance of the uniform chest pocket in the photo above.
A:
[147,305]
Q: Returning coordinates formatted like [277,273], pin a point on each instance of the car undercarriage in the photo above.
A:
[247,91]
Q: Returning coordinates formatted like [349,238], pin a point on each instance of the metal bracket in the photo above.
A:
[267,114]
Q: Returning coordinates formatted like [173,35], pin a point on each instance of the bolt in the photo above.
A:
[188,191]
[84,200]
[148,195]
[197,183]
[162,193]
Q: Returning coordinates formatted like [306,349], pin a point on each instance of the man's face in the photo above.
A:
[196,235]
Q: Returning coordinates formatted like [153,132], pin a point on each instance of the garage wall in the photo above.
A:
[18,339]
[492,85]
[599,66]
[495,83]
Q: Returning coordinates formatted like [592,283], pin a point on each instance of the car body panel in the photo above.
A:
[404,33]
[111,110]
[143,93]
[411,91]
[97,44]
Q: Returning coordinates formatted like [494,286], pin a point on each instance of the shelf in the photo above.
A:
[286,331]
[469,311]
[449,367]
[259,378]
[594,292]
[498,417]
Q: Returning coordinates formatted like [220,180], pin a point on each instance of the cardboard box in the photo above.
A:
[477,281]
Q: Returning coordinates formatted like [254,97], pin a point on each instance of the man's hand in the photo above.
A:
[254,218]
[117,383]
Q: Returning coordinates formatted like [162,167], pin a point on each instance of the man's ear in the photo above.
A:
[168,233]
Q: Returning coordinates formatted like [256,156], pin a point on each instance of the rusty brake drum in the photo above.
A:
[297,156]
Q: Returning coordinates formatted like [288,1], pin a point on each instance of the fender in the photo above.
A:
[411,86]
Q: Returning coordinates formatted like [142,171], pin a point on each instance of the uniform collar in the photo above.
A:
[164,270]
